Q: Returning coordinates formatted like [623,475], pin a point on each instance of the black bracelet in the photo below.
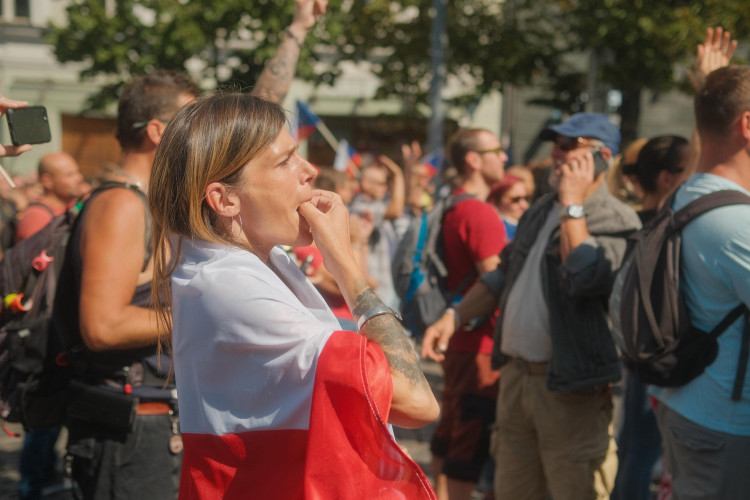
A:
[289,34]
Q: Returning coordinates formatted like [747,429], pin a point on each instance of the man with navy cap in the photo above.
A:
[552,338]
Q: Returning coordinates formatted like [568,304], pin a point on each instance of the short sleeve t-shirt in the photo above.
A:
[472,232]
[715,271]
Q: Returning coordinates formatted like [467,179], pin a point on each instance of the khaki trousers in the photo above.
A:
[548,442]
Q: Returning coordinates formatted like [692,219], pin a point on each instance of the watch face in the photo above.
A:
[574,211]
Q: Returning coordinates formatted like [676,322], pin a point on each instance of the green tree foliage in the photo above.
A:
[638,44]
[485,49]
[229,40]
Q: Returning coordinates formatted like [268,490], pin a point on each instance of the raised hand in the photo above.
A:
[411,154]
[307,12]
[576,179]
[715,52]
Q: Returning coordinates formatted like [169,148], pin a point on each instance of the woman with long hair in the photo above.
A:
[275,401]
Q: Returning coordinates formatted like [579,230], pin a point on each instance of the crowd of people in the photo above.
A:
[239,301]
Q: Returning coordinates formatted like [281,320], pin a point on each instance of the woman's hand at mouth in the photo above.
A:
[329,222]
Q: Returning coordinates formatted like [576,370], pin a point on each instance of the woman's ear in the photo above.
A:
[222,200]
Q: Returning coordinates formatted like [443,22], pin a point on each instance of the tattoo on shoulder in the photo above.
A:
[387,332]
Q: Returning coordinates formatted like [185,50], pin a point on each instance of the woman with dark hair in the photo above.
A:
[661,165]
[275,401]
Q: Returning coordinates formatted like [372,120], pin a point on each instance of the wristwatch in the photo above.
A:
[572,212]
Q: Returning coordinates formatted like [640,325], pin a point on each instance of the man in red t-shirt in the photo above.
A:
[62,183]
[473,237]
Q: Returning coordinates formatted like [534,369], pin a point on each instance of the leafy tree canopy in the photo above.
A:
[490,42]
[546,42]
[224,41]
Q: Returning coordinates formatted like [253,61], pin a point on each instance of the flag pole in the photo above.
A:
[327,135]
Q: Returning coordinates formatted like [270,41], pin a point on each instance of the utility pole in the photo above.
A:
[439,39]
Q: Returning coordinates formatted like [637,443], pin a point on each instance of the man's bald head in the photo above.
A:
[59,174]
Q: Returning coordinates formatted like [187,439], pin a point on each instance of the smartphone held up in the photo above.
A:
[28,125]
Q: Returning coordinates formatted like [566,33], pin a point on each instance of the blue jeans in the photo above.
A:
[639,444]
[37,463]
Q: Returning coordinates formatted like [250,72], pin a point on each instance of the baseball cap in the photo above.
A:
[595,125]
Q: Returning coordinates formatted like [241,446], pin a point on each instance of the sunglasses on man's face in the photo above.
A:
[570,143]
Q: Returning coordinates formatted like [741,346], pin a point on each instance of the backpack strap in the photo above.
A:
[40,204]
[451,203]
[739,378]
[422,239]
[692,210]
[417,258]
[728,320]
[705,203]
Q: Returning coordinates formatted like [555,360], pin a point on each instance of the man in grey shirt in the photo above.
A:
[552,338]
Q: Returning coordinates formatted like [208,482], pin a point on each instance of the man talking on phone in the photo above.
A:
[552,337]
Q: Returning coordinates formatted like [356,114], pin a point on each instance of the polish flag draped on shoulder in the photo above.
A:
[274,401]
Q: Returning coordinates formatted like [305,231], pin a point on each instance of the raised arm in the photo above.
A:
[413,403]
[398,191]
[276,78]
[715,52]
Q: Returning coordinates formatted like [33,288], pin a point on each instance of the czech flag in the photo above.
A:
[304,122]
[347,159]
[433,161]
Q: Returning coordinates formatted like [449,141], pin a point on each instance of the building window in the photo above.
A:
[11,10]
[22,8]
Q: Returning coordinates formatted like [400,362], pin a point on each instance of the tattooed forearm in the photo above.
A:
[273,84]
[366,301]
[386,331]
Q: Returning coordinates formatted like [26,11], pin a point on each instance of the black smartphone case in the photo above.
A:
[28,125]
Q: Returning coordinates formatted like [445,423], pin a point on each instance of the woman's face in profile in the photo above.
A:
[273,186]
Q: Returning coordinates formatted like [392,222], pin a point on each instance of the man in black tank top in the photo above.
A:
[104,313]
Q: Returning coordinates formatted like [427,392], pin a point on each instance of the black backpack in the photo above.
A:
[35,367]
[28,281]
[8,214]
[419,271]
[650,320]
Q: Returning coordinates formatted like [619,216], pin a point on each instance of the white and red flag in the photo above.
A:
[274,401]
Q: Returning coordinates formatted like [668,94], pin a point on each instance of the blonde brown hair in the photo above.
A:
[210,140]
